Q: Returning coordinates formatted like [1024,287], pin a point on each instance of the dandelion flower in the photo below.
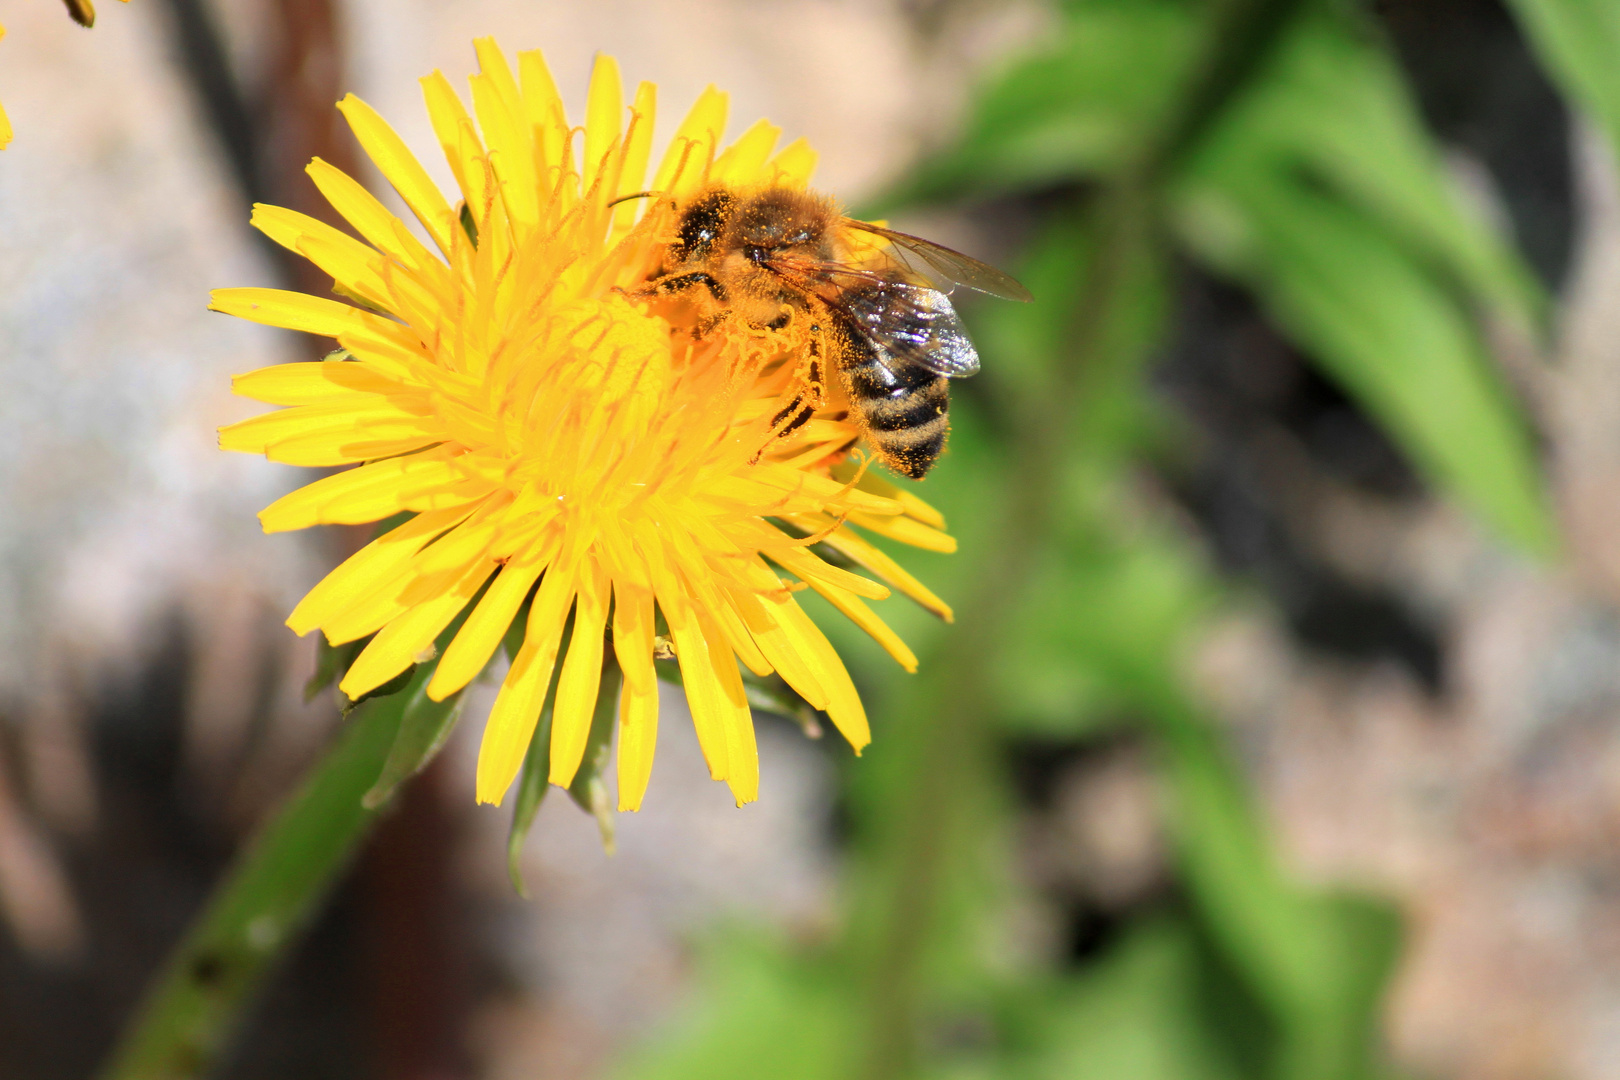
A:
[562,446]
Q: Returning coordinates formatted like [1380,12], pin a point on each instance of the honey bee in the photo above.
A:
[881,316]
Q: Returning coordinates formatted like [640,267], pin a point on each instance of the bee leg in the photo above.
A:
[680,283]
[707,324]
[797,413]
[799,409]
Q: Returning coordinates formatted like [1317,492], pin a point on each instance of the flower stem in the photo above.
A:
[949,760]
[272,890]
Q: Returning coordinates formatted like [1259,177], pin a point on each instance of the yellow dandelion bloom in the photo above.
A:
[560,444]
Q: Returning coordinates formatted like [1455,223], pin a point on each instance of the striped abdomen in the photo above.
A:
[902,406]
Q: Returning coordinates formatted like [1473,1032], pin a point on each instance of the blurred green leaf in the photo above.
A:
[1334,110]
[1138,1014]
[1388,332]
[760,1011]
[1579,44]
[1081,104]
[1320,963]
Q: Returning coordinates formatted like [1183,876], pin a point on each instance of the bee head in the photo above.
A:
[778,220]
[701,225]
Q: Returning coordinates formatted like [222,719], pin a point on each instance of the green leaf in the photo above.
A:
[1320,964]
[1335,110]
[1136,1015]
[1080,106]
[1386,330]
[273,888]
[331,661]
[423,731]
[1579,45]
[427,724]
[589,789]
[759,1011]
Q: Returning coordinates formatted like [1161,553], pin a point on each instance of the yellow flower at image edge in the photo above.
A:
[5,123]
[560,444]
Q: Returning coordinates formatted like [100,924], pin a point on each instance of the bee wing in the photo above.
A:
[913,324]
[945,266]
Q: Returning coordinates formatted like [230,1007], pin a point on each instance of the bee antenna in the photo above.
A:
[637,195]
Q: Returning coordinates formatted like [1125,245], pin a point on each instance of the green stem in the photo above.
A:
[271,892]
[946,761]
[949,760]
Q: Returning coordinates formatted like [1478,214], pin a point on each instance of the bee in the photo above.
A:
[881,316]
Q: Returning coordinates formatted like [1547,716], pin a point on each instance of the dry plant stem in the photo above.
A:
[953,758]
[268,896]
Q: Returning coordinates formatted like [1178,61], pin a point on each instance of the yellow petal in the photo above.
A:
[638,707]
[447,114]
[544,108]
[847,542]
[637,151]
[811,568]
[814,651]
[312,382]
[368,493]
[581,675]
[638,737]
[744,159]
[292,310]
[363,571]
[395,161]
[794,166]
[704,693]
[370,218]
[603,106]
[864,617]
[511,150]
[737,719]
[517,707]
[347,260]
[475,643]
[686,162]
[906,530]
[332,434]
[404,641]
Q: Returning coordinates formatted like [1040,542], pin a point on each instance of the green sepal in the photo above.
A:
[426,724]
[392,686]
[532,784]
[589,790]
[772,694]
[424,728]
[331,663]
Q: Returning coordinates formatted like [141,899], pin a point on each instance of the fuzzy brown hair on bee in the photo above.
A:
[876,302]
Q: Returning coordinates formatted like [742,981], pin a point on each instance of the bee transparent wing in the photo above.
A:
[913,324]
[945,266]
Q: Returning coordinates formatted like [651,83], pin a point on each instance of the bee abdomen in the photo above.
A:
[903,408]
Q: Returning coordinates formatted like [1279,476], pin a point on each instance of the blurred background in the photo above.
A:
[1276,736]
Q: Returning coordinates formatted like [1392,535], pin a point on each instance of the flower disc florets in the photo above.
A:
[563,446]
